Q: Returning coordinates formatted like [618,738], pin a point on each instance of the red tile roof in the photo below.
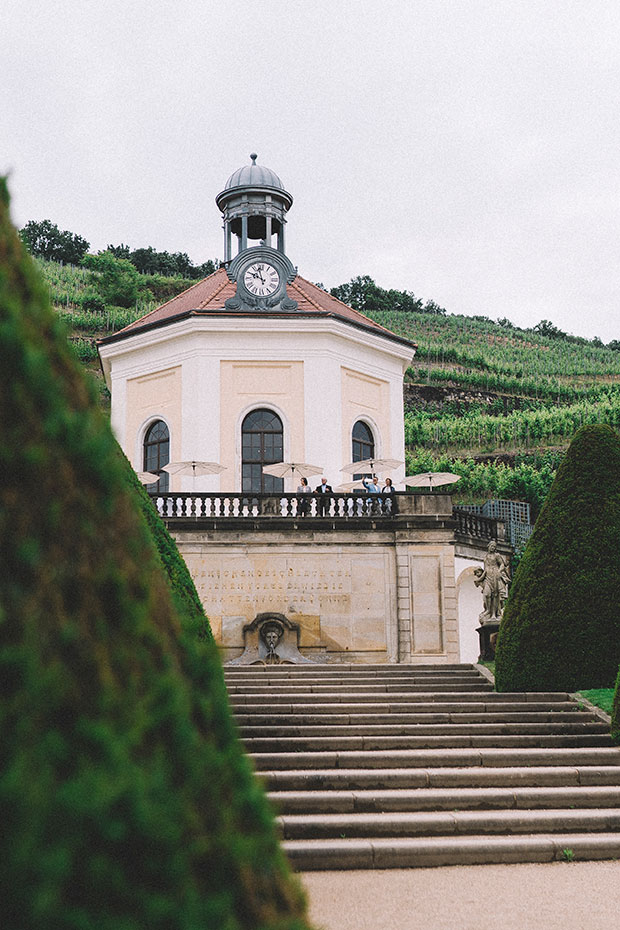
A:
[209,296]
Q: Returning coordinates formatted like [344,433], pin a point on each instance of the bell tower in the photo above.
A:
[254,205]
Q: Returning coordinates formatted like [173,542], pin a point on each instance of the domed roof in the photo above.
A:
[254,176]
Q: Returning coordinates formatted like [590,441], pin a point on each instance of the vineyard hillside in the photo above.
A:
[487,400]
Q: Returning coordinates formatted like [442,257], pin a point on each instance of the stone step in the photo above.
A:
[289,672]
[396,709]
[415,852]
[589,726]
[422,716]
[446,823]
[426,758]
[452,777]
[280,672]
[386,767]
[379,688]
[255,699]
[301,744]
[451,799]
[344,669]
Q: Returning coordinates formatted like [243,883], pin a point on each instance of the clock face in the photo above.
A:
[261,279]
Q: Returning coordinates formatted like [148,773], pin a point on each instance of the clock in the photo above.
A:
[261,279]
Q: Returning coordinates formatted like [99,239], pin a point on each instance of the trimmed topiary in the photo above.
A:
[182,587]
[615,711]
[126,801]
[561,626]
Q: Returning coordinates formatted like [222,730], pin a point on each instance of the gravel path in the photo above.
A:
[545,896]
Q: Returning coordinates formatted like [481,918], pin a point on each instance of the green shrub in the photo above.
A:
[561,626]
[93,303]
[126,801]
[116,278]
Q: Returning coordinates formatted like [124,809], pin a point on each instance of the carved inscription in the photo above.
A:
[292,581]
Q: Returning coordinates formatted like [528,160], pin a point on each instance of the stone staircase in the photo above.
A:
[377,767]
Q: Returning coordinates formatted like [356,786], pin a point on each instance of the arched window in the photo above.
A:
[363,442]
[157,454]
[261,444]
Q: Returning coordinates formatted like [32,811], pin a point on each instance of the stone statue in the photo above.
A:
[271,634]
[494,579]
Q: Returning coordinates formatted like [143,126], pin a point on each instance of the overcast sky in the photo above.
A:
[466,150]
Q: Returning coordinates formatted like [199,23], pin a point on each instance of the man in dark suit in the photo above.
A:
[323,490]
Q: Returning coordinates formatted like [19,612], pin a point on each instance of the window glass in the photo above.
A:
[156,455]
[363,445]
[261,444]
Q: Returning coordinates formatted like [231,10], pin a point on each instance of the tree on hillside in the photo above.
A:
[363,294]
[116,278]
[149,261]
[561,626]
[125,799]
[45,240]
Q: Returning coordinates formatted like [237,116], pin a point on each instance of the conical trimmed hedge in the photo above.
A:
[126,801]
[615,711]
[182,588]
[561,626]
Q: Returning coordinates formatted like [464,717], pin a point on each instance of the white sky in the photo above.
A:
[467,150]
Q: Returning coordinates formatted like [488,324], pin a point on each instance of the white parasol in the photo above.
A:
[430,479]
[352,486]
[194,468]
[147,477]
[370,466]
[290,469]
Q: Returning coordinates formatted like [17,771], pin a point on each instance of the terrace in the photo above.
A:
[350,511]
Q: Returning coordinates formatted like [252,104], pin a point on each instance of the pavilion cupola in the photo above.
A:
[254,205]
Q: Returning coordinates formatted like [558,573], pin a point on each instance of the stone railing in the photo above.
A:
[216,506]
[478,527]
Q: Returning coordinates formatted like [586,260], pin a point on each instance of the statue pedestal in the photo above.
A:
[487,651]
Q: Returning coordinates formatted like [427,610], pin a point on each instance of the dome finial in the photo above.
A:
[253,156]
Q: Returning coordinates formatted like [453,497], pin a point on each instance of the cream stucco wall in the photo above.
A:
[155,396]
[319,374]
[366,398]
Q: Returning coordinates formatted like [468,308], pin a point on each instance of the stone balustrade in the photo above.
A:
[232,506]
[476,526]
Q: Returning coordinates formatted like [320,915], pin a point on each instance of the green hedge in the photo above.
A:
[182,587]
[126,801]
[561,626]
[615,712]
